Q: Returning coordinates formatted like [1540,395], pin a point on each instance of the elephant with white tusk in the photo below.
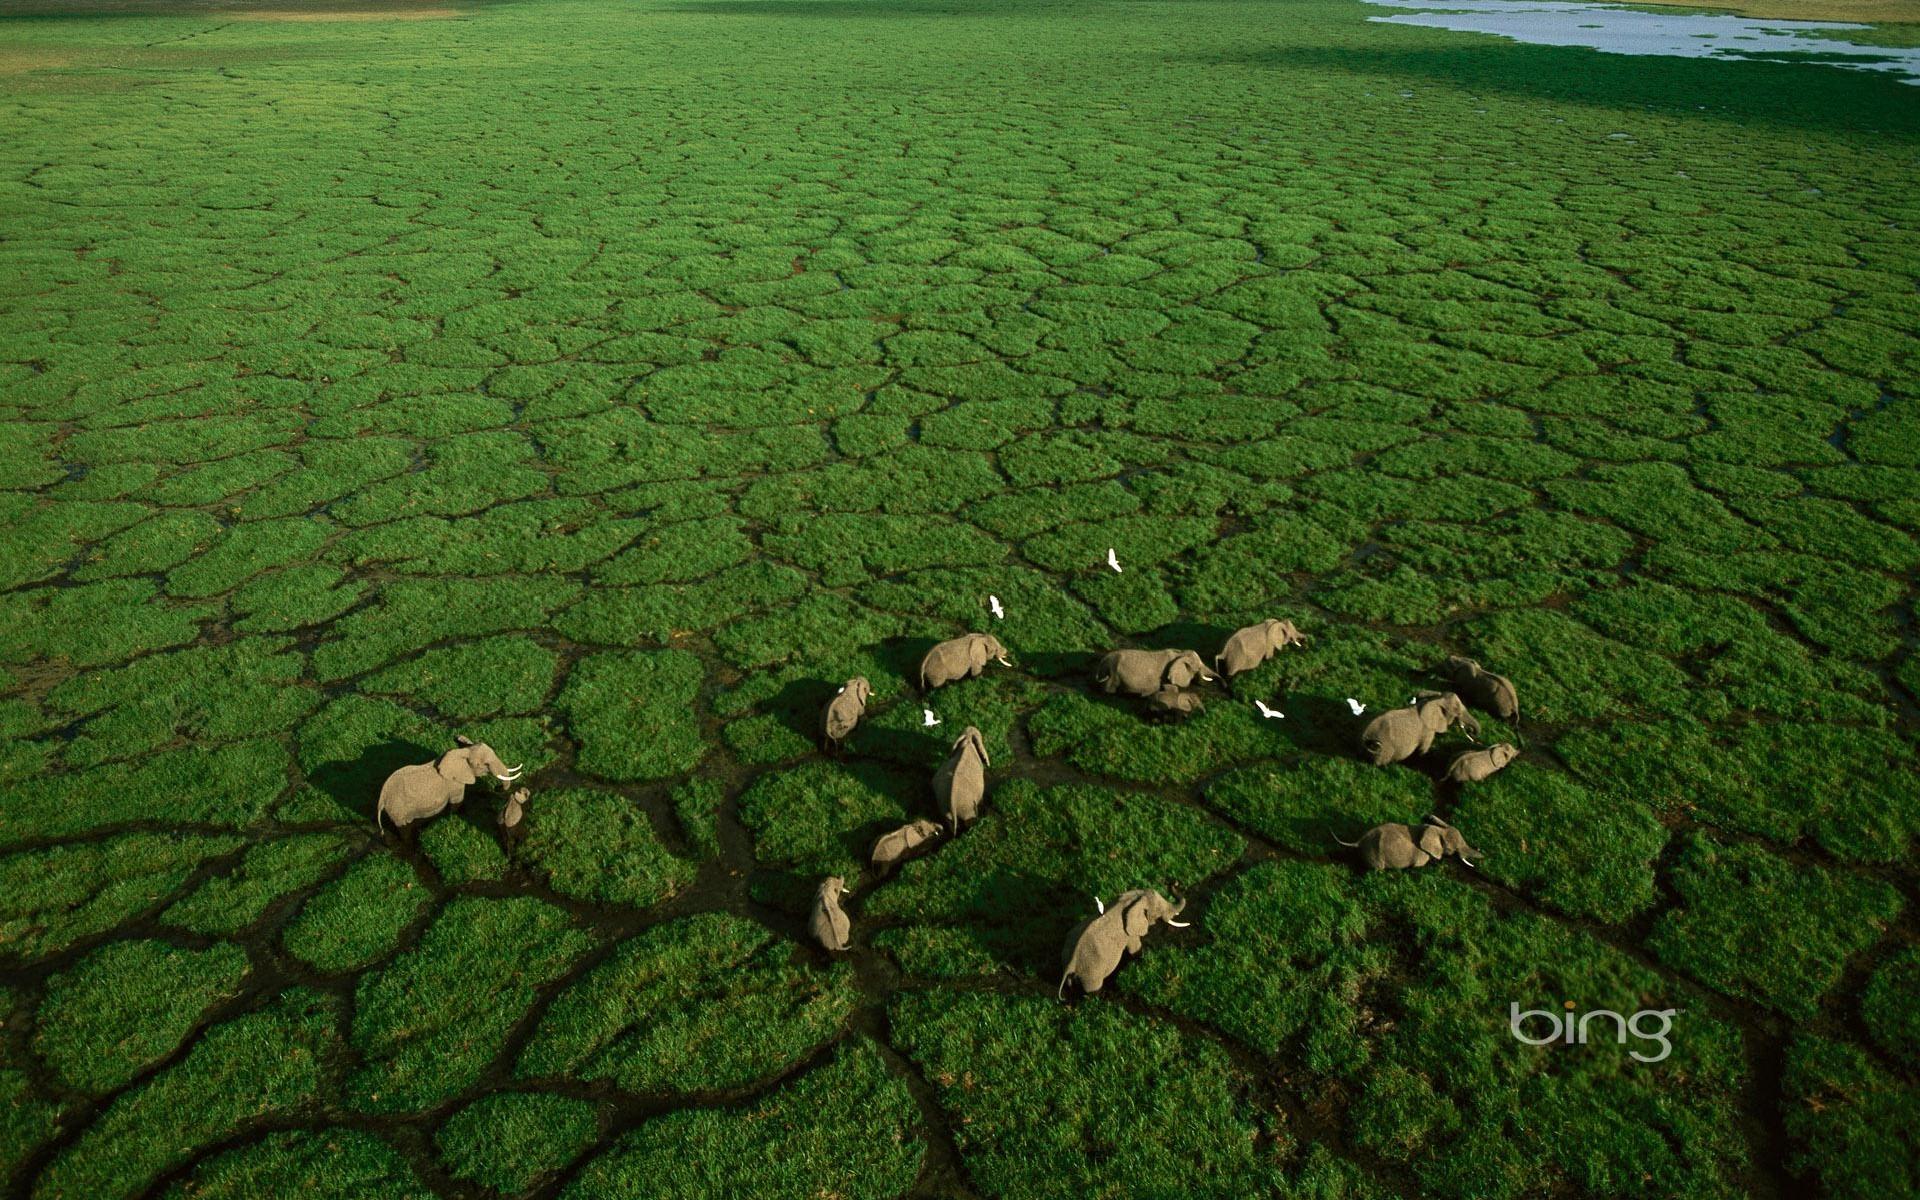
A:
[961,782]
[1401,733]
[418,792]
[964,657]
[890,848]
[1473,766]
[1094,948]
[844,711]
[1482,688]
[1395,847]
[1255,644]
[1144,672]
[828,923]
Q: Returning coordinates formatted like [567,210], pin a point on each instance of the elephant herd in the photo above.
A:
[1163,679]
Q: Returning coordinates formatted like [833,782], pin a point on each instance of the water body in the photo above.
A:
[1615,30]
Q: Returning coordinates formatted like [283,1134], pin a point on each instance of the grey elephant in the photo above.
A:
[1144,672]
[890,848]
[828,922]
[844,711]
[1401,733]
[961,781]
[1396,847]
[516,807]
[418,792]
[1473,766]
[1172,702]
[1094,948]
[1255,644]
[963,657]
[1482,688]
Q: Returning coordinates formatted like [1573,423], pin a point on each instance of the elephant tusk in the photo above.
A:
[1003,661]
[1179,924]
[1463,858]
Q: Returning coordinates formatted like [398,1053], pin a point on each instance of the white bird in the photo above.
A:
[1356,706]
[928,720]
[1267,712]
[1097,904]
[999,614]
[1113,560]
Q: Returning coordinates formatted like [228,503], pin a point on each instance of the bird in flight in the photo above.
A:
[1356,706]
[1113,560]
[999,614]
[928,720]
[1267,712]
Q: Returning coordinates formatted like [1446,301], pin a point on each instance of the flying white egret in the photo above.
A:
[1267,712]
[1356,706]
[1113,560]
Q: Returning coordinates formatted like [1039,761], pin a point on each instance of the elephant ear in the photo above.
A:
[1433,841]
[1136,919]
[454,767]
[979,650]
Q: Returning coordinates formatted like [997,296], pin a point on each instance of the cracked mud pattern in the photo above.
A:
[609,381]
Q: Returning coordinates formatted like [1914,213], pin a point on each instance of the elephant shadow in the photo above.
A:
[1321,724]
[800,706]
[1203,639]
[902,655]
[1057,665]
[355,785]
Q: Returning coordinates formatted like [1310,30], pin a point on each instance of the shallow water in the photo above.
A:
[1615,30]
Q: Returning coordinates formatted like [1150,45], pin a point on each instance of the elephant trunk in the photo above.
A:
[1177,910]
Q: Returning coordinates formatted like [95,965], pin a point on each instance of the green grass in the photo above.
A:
[705,1004]
[350,403]
[428,1023]
[128,1005]
[845,1128]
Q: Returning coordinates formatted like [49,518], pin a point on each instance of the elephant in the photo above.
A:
[515,809]
[418,792]
[1482,688]
[960,658]
[1094,948]
[1144,672]
[962,780]
[1255,644]
[1472,766]
[844,711]
[891,848]
[1404,732]
[1173,702]
[828,922]
[1394,847]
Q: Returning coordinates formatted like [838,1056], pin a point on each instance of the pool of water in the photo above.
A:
[1616,30]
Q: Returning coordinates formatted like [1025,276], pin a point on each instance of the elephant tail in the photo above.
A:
[1060,993]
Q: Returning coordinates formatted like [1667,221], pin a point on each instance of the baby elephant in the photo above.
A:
[1476,765]
[515,809]
[844,712]
[960,658]
[1172,702]
[1401,733]
[1255,644]
[1144,672]
[1482,688]
[1393,847]
[418,792]
[1094,948]
[891,848]
[828,922]
[961,781]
